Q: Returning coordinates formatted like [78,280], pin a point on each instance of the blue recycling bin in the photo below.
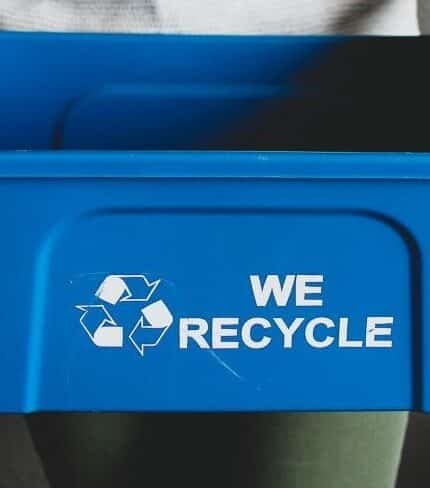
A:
[176,236]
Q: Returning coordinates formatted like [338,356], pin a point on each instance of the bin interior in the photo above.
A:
[116,92]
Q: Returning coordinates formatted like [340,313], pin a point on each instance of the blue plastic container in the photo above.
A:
[165,277]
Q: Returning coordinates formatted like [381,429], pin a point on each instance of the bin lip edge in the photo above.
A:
[214,165]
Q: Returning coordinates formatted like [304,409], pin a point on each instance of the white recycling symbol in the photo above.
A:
[153,323]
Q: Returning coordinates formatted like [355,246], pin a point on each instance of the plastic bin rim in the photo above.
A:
[214,164]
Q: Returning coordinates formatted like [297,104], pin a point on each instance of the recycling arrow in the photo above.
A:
[152,323]
[126,288]
[151,326]
[100,326]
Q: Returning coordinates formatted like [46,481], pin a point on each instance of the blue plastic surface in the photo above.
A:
[203,224]
[153,87]
[141,281]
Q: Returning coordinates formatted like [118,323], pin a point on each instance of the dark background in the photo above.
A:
[415,466]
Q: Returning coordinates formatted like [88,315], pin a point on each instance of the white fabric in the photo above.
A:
[384,17]
[393,17]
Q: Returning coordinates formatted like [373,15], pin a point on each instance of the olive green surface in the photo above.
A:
[221,450]
[333,450]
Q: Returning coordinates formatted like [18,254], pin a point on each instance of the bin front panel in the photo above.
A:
[216,293]
[237,277]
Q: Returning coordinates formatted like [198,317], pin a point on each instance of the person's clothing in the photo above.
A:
[332,450]
[20,465]
[381,17]
[270,451]
[337,450]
